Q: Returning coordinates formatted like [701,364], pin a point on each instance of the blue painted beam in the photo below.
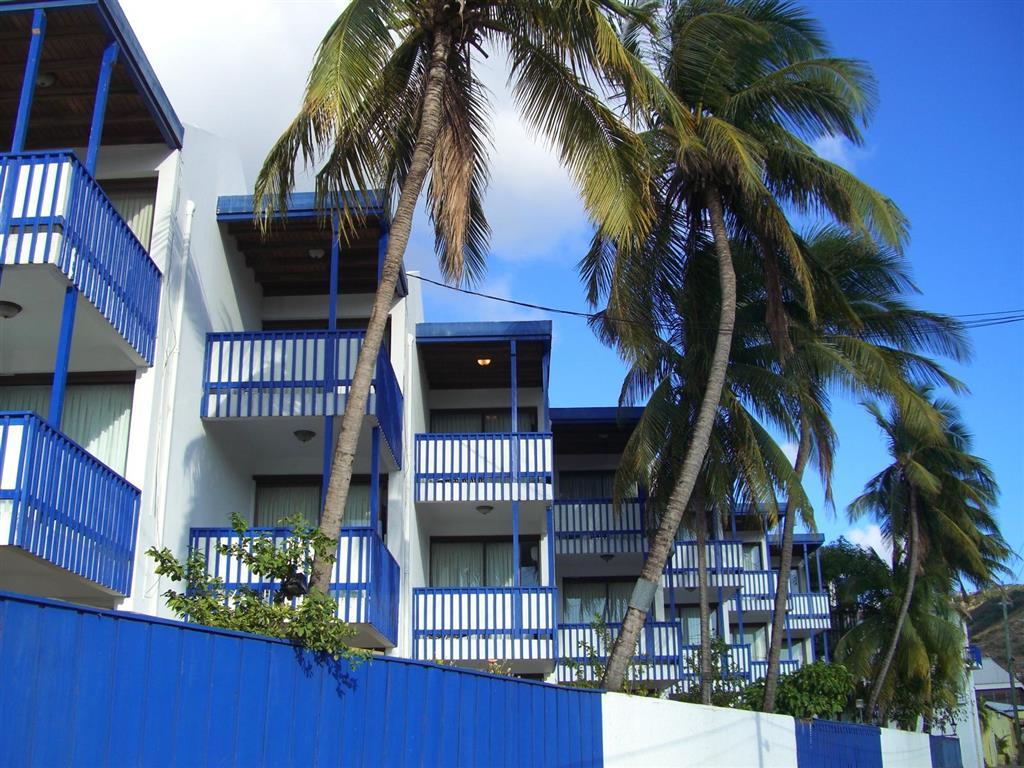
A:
[515,464]
[375,479]
[99,109]
[60,366]
[28,83]
[332,325]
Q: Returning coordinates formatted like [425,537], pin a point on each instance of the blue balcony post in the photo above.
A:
[382,249]
[99,109]
[807,568]
[60,365]
[375,480]
[514,457]
[28,83]
[552,577]
[546,381]
[329,365]
[821,586]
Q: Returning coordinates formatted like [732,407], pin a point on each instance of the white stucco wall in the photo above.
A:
[656,732]
[903,749]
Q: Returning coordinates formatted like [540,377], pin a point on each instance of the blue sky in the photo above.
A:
[945,144]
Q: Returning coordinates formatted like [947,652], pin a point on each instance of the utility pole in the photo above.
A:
[1009,664]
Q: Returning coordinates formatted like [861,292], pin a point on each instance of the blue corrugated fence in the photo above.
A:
[821,743]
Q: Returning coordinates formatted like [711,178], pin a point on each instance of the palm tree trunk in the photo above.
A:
[401,227]
[701,521]
[785,565]
[883,672]
[657,556]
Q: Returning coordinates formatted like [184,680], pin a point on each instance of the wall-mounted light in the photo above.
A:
[304,435]
[485,509]
[483,362]
[9,309]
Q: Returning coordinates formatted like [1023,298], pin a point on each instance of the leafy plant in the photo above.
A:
[814,690]
[723,680]
[589,672]
[280,606]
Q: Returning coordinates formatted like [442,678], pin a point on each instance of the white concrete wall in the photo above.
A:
[903,749]
[657,732]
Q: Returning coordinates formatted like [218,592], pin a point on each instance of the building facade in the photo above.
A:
[165,364]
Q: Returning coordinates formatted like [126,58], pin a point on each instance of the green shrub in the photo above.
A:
[815,690]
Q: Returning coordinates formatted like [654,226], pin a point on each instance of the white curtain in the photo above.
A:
[454,422]
[136,208]
[456,564]
[275,503]
[586,485]
[499,564]
[583,601]
[690,616]
[755,638]
[752,557]
[96,416]
[501,421]
[619,593]
[357,508]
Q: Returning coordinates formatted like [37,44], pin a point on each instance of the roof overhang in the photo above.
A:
[602,430]
[292,257]
[77,32]
[452,353]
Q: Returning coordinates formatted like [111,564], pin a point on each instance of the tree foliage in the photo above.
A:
[814,690]
[310,620]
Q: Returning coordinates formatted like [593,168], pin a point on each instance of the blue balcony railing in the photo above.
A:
[502,466]
[724,562]
[483,623]
[973,657]
[662,654]
[595,526]
[295,373]
[61,504]
[365,578]
[53,212]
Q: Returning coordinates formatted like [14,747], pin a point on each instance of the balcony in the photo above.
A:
[759,669]
[595,527]
[63,506]
[807,612]
[54,214]
[725,567]
[662,658]
[296,375]
[973,657]
[478,624]
[505,466]
[365,579]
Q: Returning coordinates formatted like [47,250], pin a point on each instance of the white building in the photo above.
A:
[164,366]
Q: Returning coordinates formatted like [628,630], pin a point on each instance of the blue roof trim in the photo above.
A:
[598,415]
[132,56]
[299,205]
[523,330]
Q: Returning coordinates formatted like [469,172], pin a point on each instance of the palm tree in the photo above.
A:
[935,497]
[758,82]
[393,99]
[866,340]
[928,668]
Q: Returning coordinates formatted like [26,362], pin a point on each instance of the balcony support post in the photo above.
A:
[332,325]
[546,374]
[28,83]
[514,457]
[807,569]
[552,577]
[99,109]
[60,365]
[821,586]
[375,480]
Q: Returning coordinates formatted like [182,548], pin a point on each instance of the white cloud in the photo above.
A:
[870,537]
[841,151]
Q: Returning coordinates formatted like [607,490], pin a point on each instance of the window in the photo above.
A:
[134,200]
[756,638]
[281,497]
[690,616]
[96,416]
[584,601]
[752,557]
[796,580]
[590,484]
[488,421]
[483,563]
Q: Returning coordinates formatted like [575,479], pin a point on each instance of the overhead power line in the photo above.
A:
[969,319]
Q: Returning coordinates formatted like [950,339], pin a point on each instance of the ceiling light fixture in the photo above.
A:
[304,435]
[607,557]
[316,253]
[9,309]
[483,362]
[485,509]
[45,79]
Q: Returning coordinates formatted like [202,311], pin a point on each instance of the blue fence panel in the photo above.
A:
[66,506]
[80,686]
[828,744]
[46,196]
[945,752]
